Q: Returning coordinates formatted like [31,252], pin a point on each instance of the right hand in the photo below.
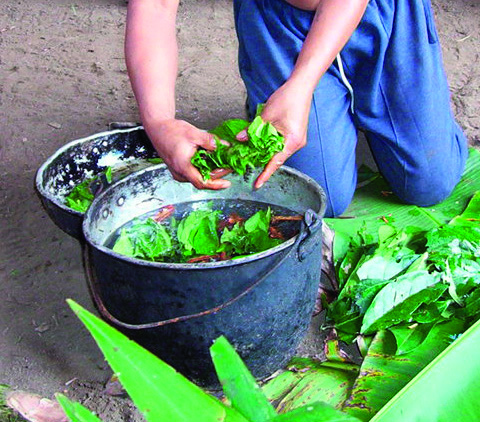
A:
[176,141]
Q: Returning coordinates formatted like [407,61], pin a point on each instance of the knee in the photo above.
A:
[337,203]
[427,190]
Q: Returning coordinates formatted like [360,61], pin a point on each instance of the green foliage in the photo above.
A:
[195,235]
[75,411]
[81,196]
[160,393]
[263,142]
[447,389]
[409,277]
[383,372]
[315,412]
[359,390]
[146,240]
[164,395]
[307,381]
[239,385]
[249,237]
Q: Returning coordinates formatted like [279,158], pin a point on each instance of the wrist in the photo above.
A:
[301,88]
[156,120]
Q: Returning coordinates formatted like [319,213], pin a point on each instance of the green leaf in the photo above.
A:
[383,374]
[315,412]
[398,300]
[229,129]
[80,198]
[264,141]
[278,387]
[238,383]
[75,411]
[308,381]
[145,239]
[159,392]
[197,233]
[408,337]
[471,215]
[322,383]
[123,245]
[447,389]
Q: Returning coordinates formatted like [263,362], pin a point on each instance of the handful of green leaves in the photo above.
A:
[81,196]
[196,238]
[263,143]
[410,280]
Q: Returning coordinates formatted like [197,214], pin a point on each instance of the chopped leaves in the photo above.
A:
[263,143]
[201,236]
[83,194]
[410,280]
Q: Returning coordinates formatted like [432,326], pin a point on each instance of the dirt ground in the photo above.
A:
[63,77]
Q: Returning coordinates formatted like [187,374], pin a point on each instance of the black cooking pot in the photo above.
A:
[125,150]
[262,303]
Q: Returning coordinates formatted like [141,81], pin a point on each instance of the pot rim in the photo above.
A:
[201,265]
[39,176]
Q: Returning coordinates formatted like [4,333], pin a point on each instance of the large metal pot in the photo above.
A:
[262,303]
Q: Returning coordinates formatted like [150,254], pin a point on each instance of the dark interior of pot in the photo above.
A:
[125,151]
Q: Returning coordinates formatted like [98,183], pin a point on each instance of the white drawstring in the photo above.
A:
[345,80]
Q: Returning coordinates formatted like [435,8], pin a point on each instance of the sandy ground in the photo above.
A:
[62,77]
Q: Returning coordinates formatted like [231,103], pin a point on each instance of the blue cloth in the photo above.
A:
[402,102]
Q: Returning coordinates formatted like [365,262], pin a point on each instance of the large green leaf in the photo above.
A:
[75,411]
[446,390]
[398,300]
[471,215]
[161,393]
[238,383]
[383,374]
[279,386]
[309,381]
[409,337]
[316,412]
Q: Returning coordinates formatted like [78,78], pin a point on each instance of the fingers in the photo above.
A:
[207,141]
[242,136]
[272,166]
[196,179]
[219,173]
[291,145]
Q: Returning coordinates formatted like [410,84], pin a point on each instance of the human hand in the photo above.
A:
[287,109]
[176,141]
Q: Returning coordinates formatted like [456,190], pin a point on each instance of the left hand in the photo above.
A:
[287,109]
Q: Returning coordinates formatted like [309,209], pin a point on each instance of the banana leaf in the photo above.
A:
[238,383]
[316,412]
[383,374]
[446,390]
[159,392]
[310,381]
[75,411]
[373,201]
[471,215]
[279,386]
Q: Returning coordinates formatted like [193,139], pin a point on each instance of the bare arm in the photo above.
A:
[152,63]
[152,57]
[288,108]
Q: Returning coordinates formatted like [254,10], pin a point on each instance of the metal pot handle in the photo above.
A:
[303,236]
